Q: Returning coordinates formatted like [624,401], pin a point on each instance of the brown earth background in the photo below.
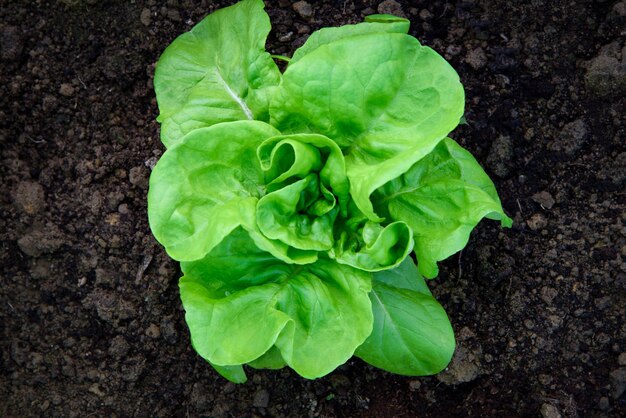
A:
[90,318]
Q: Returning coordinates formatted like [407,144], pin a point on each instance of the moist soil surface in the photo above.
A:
[90,318]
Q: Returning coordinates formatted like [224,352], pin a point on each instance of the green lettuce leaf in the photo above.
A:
[272,359]
[386,108]
[235,374]
[289,215]
[307,186]
[442,198]
[412,335]
[372,247]
[205,186]
[372,24]
[240,302]
[217,72]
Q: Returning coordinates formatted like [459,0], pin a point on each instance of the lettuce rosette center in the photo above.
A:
[307,188]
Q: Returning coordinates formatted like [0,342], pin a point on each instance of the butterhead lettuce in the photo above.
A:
[294,200]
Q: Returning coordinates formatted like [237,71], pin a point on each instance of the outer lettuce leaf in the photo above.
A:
[217,72]
[240,302]
[412,334]
[442,198]
[372,24]
[272,359]
[205,186]
[235,374]
[386,108]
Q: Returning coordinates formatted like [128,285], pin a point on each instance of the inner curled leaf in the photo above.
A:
[307,188]
[371,246]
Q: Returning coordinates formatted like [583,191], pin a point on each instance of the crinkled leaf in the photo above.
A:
[282,215]
[239,303]
[300,209]
[296,156]
[386,108]
[372,24]
[442,198]
[217,72]
[412,334]
[378,248]
[203,188]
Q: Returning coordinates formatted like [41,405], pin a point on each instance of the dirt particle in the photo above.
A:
[414,385]
[41,240]
[544,198]
[119,347]
[29,197]
[618,382]
[571,139]
[95,389]
[391,7]
[463,368]
[603,404]
[537,222]
[40,268]
[261,399]
[603,302]
[168,329]
[303,8]
[549,411]
[145,17]
[138,177]
[548,294]
[425,14]
[109,306]
[622,359]
[66,90]
[476,58]
[500,155]
[173,15]
[606,76]
[153,331]
[11,43]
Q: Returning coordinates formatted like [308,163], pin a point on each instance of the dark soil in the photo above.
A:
[90,319]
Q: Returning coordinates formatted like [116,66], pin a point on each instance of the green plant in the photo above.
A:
[294,200]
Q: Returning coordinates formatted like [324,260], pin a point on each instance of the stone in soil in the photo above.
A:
[303,8]
[41,240]
[544,198]
[391,7]
[606,73]
[29,197]
[571,139]
[500,155]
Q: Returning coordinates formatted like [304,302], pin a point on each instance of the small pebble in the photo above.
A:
[476,58]
[303,8]
[544,198]
[66,90]
[549,411]
[391,7]
[537,221]
[261,399]
[153,331]
[145,17]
